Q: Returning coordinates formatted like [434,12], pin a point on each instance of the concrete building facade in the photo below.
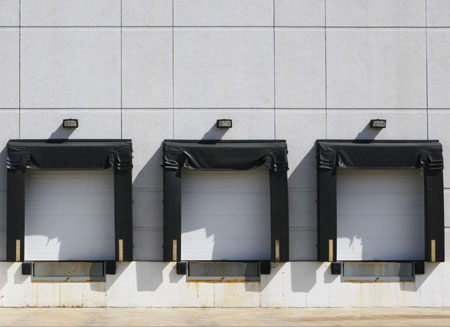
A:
[155,70]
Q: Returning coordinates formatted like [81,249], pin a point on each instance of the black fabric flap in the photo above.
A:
[225,155]
[379,154]
[69,154]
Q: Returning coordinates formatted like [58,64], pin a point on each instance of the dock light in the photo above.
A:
[224,123]
[70,123]
[378,123]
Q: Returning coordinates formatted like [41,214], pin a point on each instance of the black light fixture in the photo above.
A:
[70,123]
[224,123]
[378,123]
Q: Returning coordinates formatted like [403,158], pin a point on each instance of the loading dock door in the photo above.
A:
[380,215]
[69,215]
[225,215]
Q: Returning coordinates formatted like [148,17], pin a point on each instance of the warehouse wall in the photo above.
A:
[151,70]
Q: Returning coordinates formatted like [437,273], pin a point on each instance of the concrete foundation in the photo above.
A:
[293,284]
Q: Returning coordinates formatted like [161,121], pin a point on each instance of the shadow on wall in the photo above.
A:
[146,247]
[62,133]
[3,176]
[17,276]
[152,174]
[368,133]
[304,174]
[214,133]
[3,273]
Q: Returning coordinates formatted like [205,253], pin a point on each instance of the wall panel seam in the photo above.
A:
[426,65]
[326,70]
[20,67]
[274,77]
[173,70]
[226,26]
[121,69]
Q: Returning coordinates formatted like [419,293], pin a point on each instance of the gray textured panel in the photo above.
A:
[226,271]
[378,271]
[75,271]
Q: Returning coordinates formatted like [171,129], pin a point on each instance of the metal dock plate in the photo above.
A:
[223,271]
[68,271]
[378,271]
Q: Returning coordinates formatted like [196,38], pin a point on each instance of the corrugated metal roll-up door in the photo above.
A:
[380,215]
[225,215]
[69,215]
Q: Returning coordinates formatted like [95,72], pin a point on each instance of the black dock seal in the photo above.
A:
[336,268]
[27,268]
[226,155]
[377,154]
[419,268]
[110,267]
[265,267]
[65,155]
[182,268]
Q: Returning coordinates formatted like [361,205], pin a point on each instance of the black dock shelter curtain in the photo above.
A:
[69,155]
[225,155]
[377,154]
